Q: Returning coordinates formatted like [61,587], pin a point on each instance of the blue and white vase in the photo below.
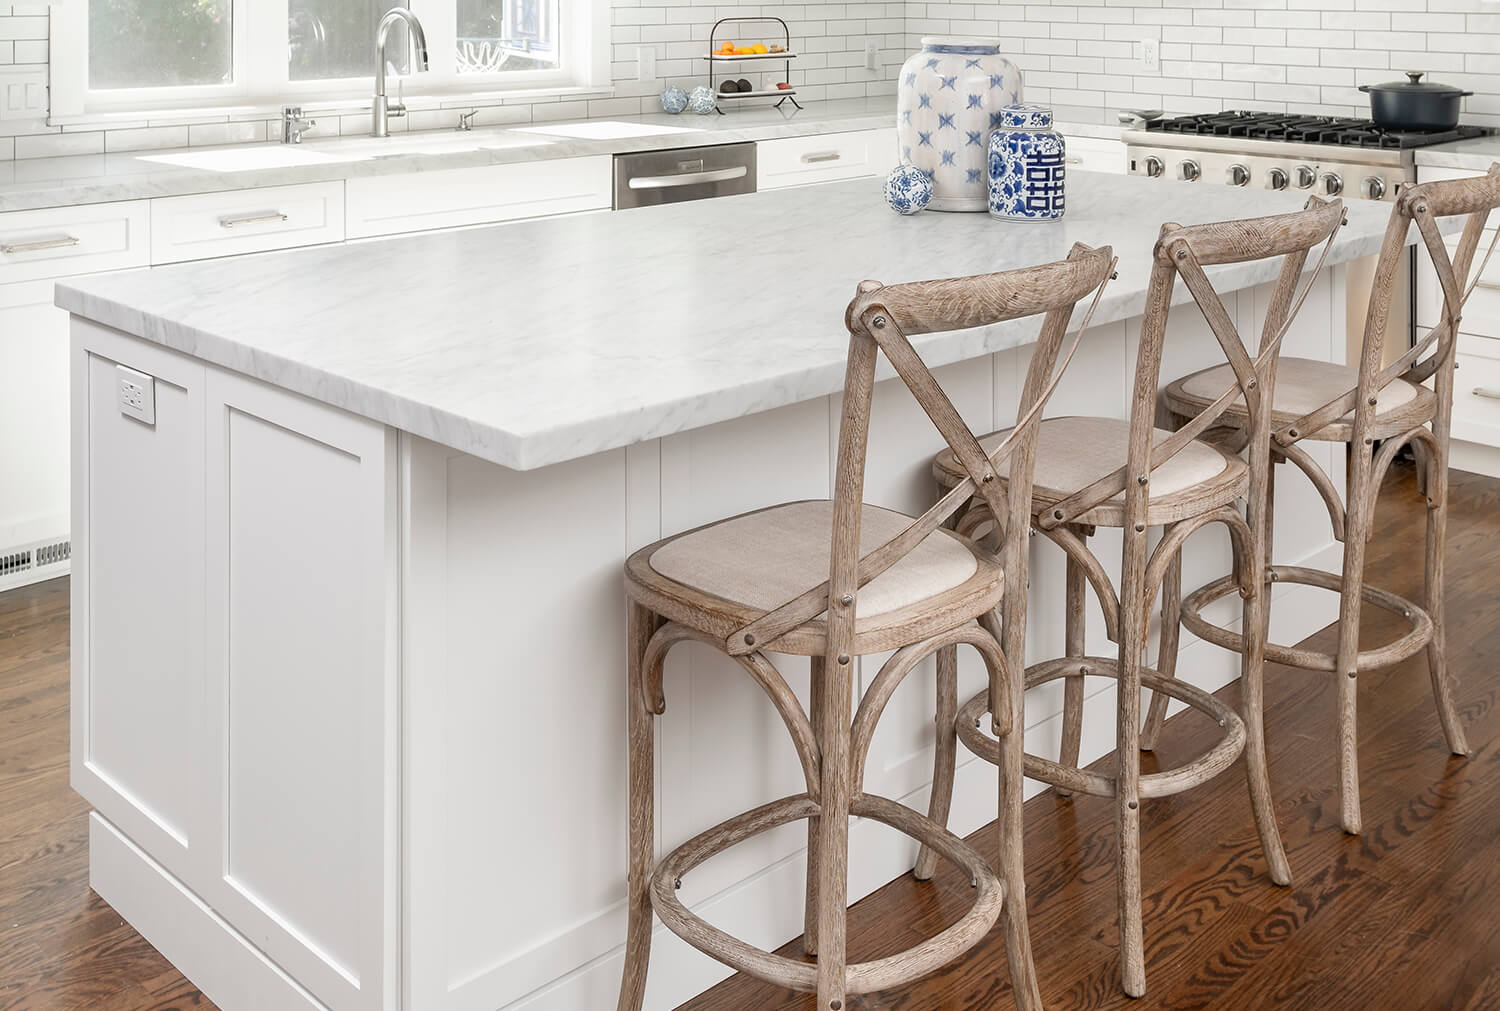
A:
[1028,166]
[948,100]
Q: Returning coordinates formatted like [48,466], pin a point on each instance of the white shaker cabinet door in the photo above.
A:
[301,684]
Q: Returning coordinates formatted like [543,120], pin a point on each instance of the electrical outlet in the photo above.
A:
[23,94]
[135,392]
[872,56]
[645,63]
[1151,55]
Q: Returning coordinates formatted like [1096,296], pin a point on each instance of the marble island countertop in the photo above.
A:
[547,340]
[1477,153]
[83,179]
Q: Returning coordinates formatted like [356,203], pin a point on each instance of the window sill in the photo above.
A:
[123,118]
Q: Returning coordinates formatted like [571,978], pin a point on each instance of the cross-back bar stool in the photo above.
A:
[1374,411]
[755,584]
[1093,472]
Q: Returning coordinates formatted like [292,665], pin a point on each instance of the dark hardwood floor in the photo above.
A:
[1405,916]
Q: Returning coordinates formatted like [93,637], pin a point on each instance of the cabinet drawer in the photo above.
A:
[206,225]
[1482,313]
[59,241]
[795,161]
[452,198]
[1476,400]
[1096,154]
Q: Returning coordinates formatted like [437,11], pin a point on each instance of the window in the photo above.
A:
[185,54]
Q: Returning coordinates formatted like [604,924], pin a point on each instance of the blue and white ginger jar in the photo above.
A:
[908,189]
[948,100]
[1028,166]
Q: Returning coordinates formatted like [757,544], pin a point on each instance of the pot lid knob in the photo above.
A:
[1415,75]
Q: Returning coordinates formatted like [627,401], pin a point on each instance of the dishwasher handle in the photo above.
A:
[688,178]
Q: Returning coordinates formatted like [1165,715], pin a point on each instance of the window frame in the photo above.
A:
[262,78]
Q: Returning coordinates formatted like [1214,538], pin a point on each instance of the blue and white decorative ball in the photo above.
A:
[674,100]
[908,189]
[702,101]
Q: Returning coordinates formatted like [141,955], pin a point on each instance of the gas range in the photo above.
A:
[1329,155]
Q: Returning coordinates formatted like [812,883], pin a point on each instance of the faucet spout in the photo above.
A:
[382,111]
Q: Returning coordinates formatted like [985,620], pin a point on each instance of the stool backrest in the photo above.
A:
[882,318]
[1184,251]
[1434,355]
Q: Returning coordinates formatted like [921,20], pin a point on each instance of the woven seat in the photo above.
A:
[736,570]
[1303,386]
[1073,453]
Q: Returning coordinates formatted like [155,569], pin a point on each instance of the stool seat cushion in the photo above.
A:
[1302,386]
[764,559]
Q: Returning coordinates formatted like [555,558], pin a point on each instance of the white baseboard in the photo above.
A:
[219,961]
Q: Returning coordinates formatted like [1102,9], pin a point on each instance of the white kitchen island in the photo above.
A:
[348,626]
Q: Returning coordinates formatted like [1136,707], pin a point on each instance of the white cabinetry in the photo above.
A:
[796,161]
[1096,154]
[452,198]
[36,246]
[235,704]
[1476,395]
[206,225]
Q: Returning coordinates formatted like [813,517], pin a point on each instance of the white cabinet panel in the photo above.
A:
[33,414]
[1096,154]
[138,614]
[796,161]
[451,198]
[300,599]
[206,225]
[59,241]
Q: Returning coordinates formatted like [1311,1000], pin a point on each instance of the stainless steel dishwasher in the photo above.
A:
[687,173]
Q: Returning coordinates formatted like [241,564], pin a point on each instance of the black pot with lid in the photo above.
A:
[1414,104]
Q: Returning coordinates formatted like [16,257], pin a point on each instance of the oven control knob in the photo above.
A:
[1306,176]
[1154,166]
[1239,175]
[1333,184]
[1374,187]
[1188,170]
[1277,179]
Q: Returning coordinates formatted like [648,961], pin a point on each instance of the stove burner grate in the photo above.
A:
[1335,130]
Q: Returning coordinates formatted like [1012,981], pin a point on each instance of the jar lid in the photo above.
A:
[1034,117]
[963,45]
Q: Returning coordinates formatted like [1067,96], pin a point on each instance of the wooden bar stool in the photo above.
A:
[1093,472]
[751,584]
[1374,411]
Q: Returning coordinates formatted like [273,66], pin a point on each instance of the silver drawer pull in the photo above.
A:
[687,178]
[251,219]
[1073,161]
[1480,391]
[818,156]
[39,245]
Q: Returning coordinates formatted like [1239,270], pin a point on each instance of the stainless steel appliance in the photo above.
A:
[1326,155]
[688,173]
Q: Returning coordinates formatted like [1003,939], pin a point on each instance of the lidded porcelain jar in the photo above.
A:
[948,99]
[1028,166]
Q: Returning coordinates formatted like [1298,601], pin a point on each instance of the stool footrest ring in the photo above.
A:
[862,977]
[1154,784]
[1410,644]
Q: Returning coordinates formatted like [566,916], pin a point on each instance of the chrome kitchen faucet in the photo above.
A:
[382,111]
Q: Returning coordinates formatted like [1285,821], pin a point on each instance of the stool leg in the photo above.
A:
[1437,649]
[833,835]
[945,762]
[1012,830]
[640,624]
[1346,665]
[1252,696]
[1166,654]
[817,686]
[1128,763]
[1075,632]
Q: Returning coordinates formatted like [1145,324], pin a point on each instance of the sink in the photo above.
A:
[245,159]
[605,129]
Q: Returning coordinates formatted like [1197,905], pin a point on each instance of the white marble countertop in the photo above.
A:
[84,179]
[541,341]
[1477,153]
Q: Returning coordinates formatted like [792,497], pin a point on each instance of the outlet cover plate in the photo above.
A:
[135,393]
